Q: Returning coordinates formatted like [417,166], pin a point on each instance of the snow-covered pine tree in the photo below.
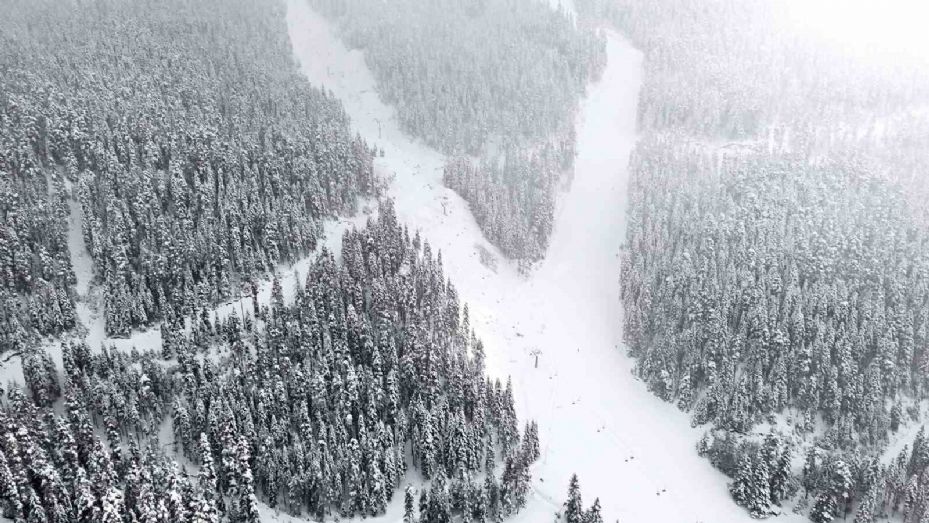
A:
[574,506]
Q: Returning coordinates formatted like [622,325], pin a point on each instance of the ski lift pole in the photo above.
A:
[536,352]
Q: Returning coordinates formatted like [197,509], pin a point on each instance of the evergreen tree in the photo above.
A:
[248,502]
[408,505]
[593,514]
[574,506]
[824,509]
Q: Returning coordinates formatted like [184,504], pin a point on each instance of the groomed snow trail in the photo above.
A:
[630,449]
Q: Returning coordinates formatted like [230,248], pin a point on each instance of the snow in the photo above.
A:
[629,448]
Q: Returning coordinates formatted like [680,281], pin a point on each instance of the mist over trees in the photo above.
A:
[462,74]
[774,284]
[740,69]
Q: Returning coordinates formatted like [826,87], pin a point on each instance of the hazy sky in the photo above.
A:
[888,28]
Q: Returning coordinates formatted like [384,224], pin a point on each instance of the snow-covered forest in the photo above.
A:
[315,406]
[199,155]
[201,158]
[461,261]
[497,79]
[775,266]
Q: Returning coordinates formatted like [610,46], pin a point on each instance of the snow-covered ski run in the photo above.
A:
[629,448]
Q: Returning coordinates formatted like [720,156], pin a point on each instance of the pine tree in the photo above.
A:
[780,476]
[741,488]
[593,515]
[866,509]
[9,497]
[207,481]
[759,499]
[408,505]
[574,506]
[910,496]
[824,509]
[423,505]
[248,502]
[111,507]
[841,484]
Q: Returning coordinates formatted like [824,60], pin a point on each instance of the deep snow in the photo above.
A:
[629,448]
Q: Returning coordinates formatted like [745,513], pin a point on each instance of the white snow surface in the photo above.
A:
[80,257]
[630,449]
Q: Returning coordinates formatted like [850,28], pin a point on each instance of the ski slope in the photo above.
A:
[630,449]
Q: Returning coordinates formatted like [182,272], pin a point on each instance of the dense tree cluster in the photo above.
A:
[735,68]
[486,78]
[372,359]
[759,284]
[834,483]
[762,473]
[35,266]
[315,408]
[513,203]
[198,152]
[903,485]
[838,484]
[462,74]
[95,461]
[56,469]
[756,284]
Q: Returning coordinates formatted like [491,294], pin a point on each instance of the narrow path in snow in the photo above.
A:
[80,257]
[632,450]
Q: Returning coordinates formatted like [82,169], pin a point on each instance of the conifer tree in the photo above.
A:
[593,514]
[408,505]
[574,506]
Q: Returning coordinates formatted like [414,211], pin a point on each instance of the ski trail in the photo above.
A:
[629,448]
[80,257]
